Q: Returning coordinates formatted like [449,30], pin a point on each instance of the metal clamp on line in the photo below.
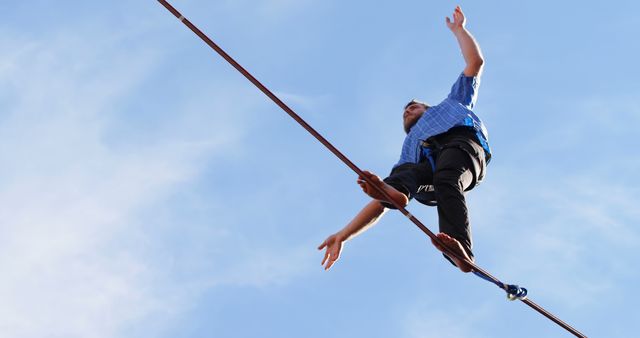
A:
[514,292]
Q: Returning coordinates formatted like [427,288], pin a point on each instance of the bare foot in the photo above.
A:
[370,190]
[453,245]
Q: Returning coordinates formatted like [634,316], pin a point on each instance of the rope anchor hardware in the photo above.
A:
[515,292]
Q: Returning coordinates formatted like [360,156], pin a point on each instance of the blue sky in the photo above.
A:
[148,190]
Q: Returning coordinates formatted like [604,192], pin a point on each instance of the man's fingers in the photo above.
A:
[330,263]
[363,184]
[370,176]
[326,255]
[321,246]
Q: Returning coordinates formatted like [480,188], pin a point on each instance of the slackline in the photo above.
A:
[514,292]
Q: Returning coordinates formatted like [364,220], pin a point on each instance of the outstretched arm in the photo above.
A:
[468,45]
[363,220]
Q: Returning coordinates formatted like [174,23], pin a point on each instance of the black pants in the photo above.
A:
[456,167]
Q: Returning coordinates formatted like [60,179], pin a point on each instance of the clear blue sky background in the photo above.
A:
[148,190]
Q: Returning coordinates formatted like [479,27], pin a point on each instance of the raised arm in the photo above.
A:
[468,45]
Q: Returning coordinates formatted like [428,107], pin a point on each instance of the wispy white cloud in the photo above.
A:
[440,322]
[263,267]
[574,229]
[563,210]
[585,125]
[77,260]
[308,103]
[270,10]
[68,198]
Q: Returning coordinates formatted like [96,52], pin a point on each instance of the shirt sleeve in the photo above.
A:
[465,90]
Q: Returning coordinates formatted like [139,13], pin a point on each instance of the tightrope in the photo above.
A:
[514,292]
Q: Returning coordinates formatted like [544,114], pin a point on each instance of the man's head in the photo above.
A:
[412,112]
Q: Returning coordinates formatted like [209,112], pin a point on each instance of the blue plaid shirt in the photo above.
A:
[454,111]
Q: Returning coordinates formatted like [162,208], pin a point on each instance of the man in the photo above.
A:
[444,155]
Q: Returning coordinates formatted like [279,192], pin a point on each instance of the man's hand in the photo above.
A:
[458,20]
[368,188]
[370,179]
[334,245]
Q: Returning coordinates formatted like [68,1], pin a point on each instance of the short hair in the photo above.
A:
[406,130]
[415,101]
